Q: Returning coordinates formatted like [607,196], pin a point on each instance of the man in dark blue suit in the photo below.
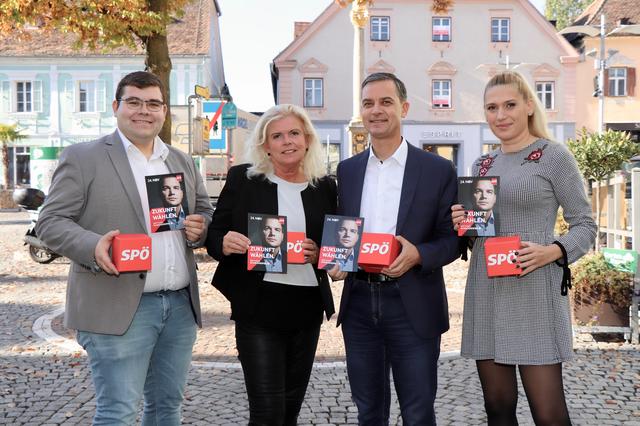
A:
[394,320]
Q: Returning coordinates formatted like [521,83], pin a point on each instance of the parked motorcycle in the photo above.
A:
[31,199]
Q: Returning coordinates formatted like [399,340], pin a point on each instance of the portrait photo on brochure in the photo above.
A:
[268,249]
[167,201]
[341,238]
[479,196]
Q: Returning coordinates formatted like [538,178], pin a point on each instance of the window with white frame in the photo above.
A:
[441,94]
[28,96]
[545,92]
[313,92]
[441,28]
[380,28]
[5,96]
[500,30]
[90,96]
[617,81]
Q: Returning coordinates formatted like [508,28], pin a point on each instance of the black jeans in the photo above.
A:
[277,366]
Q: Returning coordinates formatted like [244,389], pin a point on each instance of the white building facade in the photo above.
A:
[444,59]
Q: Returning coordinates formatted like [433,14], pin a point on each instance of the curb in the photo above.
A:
[42,328]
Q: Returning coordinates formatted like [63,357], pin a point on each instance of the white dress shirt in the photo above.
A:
[168,260]
[381,191]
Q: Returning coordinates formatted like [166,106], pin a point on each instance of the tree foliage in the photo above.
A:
[441,6]
[102,25]
[564,12]
[8,134]
[599,155]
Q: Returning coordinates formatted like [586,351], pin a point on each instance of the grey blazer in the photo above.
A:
[93,192]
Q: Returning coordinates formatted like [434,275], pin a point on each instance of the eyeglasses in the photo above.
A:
[134,103]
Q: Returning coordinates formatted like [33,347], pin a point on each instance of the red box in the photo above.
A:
[377,251]
[131,252]
[500,256]
[294,247]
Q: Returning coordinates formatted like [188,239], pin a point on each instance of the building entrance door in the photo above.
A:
[450,152]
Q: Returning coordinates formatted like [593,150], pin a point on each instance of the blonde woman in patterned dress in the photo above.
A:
[525,321]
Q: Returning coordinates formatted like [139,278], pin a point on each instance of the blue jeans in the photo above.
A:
[152,357]
[378,338]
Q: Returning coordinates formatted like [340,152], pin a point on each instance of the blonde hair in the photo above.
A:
[313,165]
[537,120]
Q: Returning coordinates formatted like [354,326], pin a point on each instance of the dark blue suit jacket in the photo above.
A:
[429,189]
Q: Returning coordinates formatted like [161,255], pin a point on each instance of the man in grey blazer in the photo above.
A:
[138,328]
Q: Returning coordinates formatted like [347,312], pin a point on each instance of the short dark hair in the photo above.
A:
[401,90]
[141,80]
[486,179]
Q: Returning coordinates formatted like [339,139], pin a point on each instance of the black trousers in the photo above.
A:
[276,365]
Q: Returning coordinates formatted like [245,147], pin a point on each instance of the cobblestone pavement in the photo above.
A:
[44,378]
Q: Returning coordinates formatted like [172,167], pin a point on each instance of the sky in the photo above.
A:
[253,32]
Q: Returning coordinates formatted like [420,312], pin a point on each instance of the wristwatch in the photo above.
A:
[95,268]
[193,244]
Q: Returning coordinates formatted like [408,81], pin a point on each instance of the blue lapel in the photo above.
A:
[409,181]
[118,156]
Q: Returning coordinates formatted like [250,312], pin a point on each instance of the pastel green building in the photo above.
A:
[58,96]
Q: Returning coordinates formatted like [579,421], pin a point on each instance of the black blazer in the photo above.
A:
[429,188]
[241,196]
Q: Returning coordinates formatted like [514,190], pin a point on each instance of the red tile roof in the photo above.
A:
[614,11]
[188,35]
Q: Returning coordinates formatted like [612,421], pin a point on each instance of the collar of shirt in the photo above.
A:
[177,220]
[489,222]
[381,191]
[160,150]
[277,258]
[348,259]
[399,156]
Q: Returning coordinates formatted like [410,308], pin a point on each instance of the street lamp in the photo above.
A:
[602,62]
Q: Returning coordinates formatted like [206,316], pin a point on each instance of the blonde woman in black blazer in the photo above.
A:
[277,316]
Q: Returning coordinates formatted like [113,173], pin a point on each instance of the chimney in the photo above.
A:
[299,27]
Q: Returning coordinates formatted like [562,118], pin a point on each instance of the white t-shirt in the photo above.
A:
[290,205]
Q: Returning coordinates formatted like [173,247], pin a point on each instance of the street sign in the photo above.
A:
[212,111]
[202,91]
[621,260]
[229,116]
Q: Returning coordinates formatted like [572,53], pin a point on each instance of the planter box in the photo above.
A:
[600,314]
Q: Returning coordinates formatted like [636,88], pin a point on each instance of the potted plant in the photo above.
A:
[598,156]
[601,294]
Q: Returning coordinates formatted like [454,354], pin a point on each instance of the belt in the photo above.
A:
[161,292]
[374,278]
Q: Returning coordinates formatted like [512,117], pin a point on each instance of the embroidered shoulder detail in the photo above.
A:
[485,163]
[534,156]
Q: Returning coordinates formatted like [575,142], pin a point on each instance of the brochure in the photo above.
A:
[167,201]
[268,249]
[341,238]
[479,196]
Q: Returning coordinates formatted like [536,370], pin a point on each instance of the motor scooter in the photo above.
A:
[31,199]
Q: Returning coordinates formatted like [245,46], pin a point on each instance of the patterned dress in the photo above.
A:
[526,320]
